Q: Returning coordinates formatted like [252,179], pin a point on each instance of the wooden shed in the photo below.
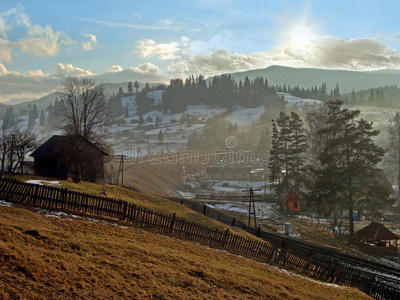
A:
[376,234]
[64,156]
[291,202]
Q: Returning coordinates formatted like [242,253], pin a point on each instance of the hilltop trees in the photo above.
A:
[136,86]
[223,91]
[130,87]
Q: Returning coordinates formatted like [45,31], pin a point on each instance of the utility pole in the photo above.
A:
[121,170]
[252,207]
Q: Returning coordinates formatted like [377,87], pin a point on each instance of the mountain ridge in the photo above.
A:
[279,75]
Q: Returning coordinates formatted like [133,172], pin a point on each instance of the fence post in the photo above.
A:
[224,237]
[233,222]
[204,209]
[171,225]
[124,204]
[36,194]
[258,231]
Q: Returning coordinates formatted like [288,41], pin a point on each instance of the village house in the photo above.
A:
[291,202]
[378,236]
[70,156]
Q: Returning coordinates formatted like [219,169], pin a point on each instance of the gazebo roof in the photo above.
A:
[377,232]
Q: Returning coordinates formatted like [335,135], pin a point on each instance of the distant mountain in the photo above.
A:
[43,102]
[307,77]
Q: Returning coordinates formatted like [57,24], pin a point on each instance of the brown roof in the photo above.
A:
[56,143]
[377,232]
[291,196]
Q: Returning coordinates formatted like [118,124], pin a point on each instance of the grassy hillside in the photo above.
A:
[46,258]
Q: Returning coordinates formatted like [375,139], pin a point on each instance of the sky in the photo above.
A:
[43,41]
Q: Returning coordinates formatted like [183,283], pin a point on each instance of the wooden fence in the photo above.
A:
[283,252]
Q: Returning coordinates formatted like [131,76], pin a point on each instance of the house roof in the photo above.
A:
[291,196]
[56,143]
[377,232]
[229,169]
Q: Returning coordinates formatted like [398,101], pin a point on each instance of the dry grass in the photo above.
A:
[48,258]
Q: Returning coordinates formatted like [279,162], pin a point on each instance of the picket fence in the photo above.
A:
[277,251]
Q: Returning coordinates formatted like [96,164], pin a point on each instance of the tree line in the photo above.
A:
[221,91]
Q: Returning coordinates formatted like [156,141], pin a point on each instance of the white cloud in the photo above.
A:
[91,41]
[325,52]
[16,87]
[149,48]
[146,68]
[42,41]
[70,70]
[115,68]
[38,40]
[5,51]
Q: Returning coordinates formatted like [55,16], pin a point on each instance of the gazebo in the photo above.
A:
[376,234]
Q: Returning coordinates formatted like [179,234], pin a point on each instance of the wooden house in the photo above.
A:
[377,235]
[291,202]
[70,156]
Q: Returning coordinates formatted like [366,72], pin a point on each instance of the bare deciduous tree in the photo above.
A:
[15,143]
[85,109]
[8,129]
[25,142]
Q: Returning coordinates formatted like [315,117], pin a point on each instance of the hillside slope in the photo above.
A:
[44,257]
[308,77]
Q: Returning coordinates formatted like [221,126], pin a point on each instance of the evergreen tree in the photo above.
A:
[120,92]
[31,119]
[141,121]
[35,112]
[348,161]
[275,160]
[160,136]
[126,112]
[42,120]
[298,148]
[285,135]
[9,115]
[130,87]
[136,86]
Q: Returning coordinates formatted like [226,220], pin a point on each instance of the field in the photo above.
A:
[44,257]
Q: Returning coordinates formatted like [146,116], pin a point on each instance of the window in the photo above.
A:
[295,205]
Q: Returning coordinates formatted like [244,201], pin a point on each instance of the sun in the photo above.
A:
[301,35]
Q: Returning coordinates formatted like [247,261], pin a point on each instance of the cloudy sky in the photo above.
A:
[43,41]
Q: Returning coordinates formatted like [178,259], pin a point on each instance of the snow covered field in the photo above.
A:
[299,102]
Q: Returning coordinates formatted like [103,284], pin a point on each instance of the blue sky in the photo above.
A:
[41,42]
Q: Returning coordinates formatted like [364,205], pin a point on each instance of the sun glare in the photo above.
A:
[301,35]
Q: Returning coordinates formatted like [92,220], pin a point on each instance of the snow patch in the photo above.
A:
[5,203]
[43,182]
